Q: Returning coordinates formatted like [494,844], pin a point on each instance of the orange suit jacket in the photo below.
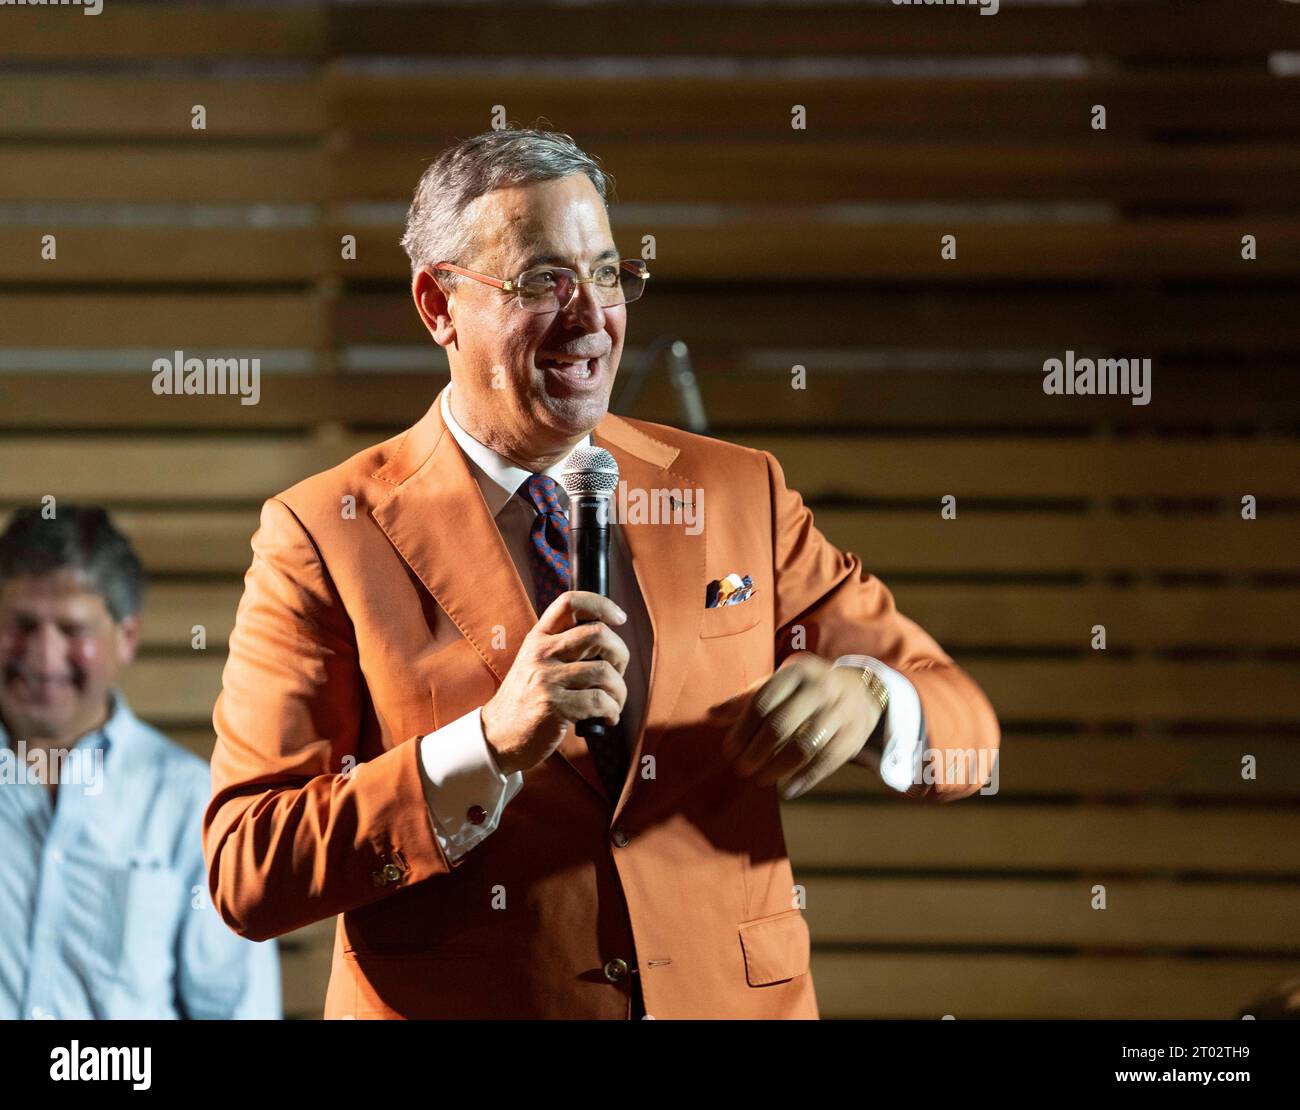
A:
[381,604]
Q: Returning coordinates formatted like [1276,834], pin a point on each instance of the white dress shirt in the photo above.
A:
[458,764]
[458,768]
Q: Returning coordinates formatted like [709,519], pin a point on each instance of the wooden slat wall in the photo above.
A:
[1122,767]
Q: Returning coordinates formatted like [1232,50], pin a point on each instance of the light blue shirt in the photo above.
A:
[104,904]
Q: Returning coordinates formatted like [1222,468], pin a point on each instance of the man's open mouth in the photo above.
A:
[576,367]
[576,370]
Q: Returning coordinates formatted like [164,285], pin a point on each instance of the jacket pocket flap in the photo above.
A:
[724,620]
[776,947]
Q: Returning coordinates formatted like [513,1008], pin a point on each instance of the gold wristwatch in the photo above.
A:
[875,687]
[878,691]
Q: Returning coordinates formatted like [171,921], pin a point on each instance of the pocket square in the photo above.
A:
[731,590]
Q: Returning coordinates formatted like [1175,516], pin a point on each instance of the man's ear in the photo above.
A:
[128,639]
[431,302]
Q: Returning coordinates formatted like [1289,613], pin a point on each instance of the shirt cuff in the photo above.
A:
[461,782]
[902,727]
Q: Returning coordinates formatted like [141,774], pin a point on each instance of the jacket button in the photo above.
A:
[616,970]
[477,815]
[389,873]
[620,837]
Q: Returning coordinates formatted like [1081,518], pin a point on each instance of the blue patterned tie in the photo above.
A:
[549,559]
[549,551]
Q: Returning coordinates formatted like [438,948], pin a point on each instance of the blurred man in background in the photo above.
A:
[102,905]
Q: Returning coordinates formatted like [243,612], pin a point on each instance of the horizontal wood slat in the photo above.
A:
[207,542]
[1185,249]
[801,170]
[171,610]
[257,318]
[992,985]
[841,399]
[176,689]
[747,251]
[1137,768]
[191,469]
[204,254]
[1138,105]
[736,401]
[117,107]
[974,617]
[1232,317]
[1215,29]
[287,402]
[1010,467]
[183,690]
[1045,913]
[1255,318]
[1047,542]
[1141,618]
[217,541]
[1099,842]
[1145,770]
[163,174]
[1100,688]
[184,30]
[216,467]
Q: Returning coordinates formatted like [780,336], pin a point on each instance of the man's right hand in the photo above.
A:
[565,672]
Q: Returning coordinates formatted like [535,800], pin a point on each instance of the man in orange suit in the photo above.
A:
[396,738]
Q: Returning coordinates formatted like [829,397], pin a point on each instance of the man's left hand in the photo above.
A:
[802,725]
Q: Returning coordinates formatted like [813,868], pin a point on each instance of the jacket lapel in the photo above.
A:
[669,567]
[438,522]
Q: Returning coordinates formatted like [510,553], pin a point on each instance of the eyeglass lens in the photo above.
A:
[548,288]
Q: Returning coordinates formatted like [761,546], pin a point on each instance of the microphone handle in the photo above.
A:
[589,566]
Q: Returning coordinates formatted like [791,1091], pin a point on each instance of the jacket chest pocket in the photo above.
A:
[727,620]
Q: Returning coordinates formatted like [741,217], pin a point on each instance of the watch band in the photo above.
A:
[867,665]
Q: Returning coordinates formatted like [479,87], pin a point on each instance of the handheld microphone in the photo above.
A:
[590,478]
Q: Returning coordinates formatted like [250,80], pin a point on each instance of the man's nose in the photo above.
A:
[585,310]
[46,650]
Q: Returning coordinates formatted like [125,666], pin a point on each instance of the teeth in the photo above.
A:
[580,369]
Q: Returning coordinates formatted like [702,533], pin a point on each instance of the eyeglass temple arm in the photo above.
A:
[499,283]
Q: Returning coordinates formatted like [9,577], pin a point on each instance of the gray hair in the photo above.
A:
[435,227]
[79,538]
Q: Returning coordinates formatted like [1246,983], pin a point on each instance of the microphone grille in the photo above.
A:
[590,472]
